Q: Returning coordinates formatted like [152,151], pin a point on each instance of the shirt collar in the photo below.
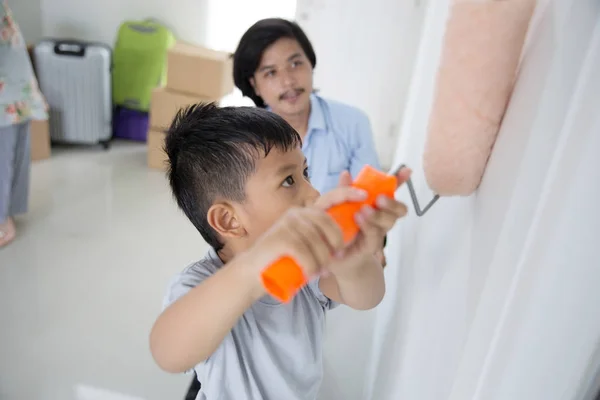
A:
[316,119]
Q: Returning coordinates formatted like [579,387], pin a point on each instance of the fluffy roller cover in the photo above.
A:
[479,60]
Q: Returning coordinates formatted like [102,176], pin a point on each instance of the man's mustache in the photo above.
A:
[292,91]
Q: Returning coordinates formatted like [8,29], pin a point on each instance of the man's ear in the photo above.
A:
[223,219]
[253,83]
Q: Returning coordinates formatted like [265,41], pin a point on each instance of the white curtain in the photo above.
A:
[497,296]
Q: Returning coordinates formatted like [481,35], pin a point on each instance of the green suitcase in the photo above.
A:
[139,62]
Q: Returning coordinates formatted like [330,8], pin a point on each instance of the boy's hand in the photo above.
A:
[374,223]
[308,235]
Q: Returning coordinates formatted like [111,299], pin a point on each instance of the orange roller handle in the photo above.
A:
[284,278]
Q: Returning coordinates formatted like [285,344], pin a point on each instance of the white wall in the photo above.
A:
[225,28]
[28,15]
[100,20]
[365,56]
[495,296]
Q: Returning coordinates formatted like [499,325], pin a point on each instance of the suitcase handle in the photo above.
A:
[70,48]
[132,103]
[141,27]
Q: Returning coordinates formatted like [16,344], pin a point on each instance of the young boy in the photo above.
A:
[241,178]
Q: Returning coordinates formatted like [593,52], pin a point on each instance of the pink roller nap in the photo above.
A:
[479,60]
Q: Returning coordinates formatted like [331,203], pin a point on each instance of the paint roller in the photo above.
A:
[479,60]
[478,65]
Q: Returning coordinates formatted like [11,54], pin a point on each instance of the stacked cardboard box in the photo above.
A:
[40,131]
[194,74]
[40,140]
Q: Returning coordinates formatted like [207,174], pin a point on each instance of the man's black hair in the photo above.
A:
[212,151]
[255,41]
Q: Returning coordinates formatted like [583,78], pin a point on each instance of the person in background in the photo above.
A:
[273,65]
[20,102]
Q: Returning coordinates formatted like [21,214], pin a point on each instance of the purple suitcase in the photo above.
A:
[130,124]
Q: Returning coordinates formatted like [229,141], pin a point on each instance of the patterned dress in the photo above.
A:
[20,97]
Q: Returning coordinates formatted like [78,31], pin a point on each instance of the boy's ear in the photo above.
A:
[223,219]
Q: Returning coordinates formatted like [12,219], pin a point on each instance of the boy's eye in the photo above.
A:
[296,64]
[289,181]
[306,173]
[270,73]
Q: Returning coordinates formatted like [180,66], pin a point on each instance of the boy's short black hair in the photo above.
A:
[255,41]
[212,151]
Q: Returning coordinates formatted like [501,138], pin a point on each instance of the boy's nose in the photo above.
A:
[312,195]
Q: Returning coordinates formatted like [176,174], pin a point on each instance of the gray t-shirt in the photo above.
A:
[273,352]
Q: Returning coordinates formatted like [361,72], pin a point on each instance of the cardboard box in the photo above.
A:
[157,157]
[165,103]
[40,140]
[199,71]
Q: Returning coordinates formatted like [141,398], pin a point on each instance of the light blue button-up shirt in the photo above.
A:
[339,138]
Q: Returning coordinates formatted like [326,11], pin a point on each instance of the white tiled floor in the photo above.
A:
[82,284]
